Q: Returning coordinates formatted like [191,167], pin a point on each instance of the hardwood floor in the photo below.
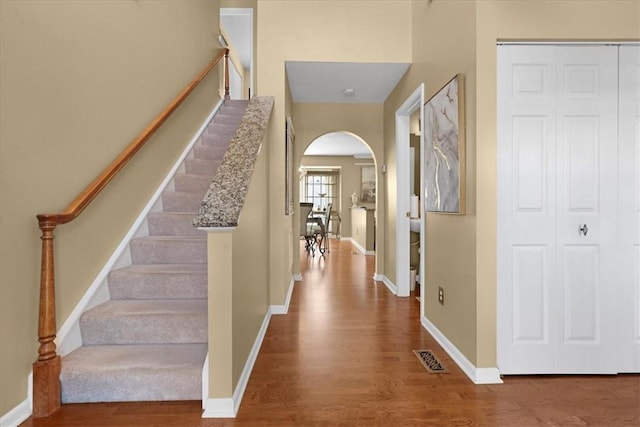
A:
[343,357]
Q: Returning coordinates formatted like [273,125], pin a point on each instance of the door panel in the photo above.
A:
[588,200]
[581,289]
[530,294]
[526,211]
[628,302]
[529,154]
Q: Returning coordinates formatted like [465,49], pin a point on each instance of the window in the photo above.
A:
[320,188]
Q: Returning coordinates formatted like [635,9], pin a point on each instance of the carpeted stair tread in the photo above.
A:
[236,103]
[179,201]
[145,322]
[228,117]
[220,140]
[172,224]
[115,373]
[158,281]
[206,167]
[222,128]
[207,151]
[169,250]
[191,183]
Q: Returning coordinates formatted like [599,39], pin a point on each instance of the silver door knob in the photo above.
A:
[583,229]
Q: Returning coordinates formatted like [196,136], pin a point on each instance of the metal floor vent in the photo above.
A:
[431,363]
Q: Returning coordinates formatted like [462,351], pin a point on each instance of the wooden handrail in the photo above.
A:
[46,369]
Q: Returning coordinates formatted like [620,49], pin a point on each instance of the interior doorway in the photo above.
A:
[414,103]
[339,168]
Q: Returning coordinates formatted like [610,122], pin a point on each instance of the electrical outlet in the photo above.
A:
[440,295]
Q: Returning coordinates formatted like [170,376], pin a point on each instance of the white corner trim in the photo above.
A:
[297,277]
[205,381]
[488,376]
[217,229]
[284,309]
[68,337]
[378,277]
[219,408]
[389,284]
[22,411]
[17,415]
[228,407]
[359,246]
[477,375]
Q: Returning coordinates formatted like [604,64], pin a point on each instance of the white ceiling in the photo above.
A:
[325,82]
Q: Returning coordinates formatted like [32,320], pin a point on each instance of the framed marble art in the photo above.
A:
[444,142]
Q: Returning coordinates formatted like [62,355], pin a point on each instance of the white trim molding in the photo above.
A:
[284,308]
[389,284]
[17,415]
[227,407]
[413,103]
[297,277]
[476,375]
[22,411]
[358,246]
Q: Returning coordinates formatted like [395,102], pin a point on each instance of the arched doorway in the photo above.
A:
[331,170]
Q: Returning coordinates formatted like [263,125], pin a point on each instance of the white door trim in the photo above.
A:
[414,102]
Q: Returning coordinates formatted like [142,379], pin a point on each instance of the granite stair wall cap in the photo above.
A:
[225,197]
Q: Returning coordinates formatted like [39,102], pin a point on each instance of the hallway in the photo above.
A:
[343,357]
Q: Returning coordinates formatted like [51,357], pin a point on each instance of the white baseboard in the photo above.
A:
[389,284]
[378,277]
[284,308]
[228,407]
[477,375]
[297,277]
[17,415]
[219,408]
[359,246]
[22,411]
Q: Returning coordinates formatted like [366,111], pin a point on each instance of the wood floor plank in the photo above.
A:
[343,357]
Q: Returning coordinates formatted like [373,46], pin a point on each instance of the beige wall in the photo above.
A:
[78,81]
[250,249]
[607,20]
[450,247]
[334,30]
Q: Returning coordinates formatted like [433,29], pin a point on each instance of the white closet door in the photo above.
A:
[587,278]
[557,145]
[527,334]
[628,303]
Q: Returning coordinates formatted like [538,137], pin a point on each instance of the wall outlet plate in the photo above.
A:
[440,295]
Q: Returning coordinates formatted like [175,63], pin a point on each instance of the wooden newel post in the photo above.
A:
[46,370]
[226,74]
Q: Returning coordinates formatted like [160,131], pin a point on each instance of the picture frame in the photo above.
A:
[443,125]
[368,184]
[288,166]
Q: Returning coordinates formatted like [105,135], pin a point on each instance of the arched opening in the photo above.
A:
[339,169]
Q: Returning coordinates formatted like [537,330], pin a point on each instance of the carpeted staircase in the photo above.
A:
[149,341]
